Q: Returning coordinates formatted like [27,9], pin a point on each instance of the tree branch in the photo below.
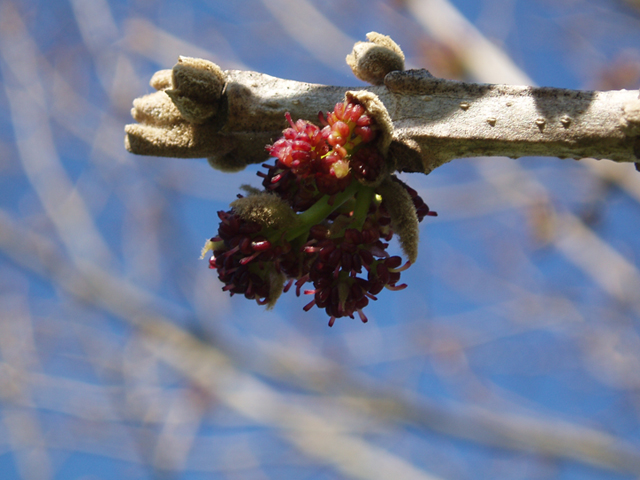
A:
[201,111]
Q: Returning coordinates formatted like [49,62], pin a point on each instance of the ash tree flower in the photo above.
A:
[330,203]
[325,217]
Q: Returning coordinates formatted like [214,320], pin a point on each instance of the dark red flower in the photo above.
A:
[339,237]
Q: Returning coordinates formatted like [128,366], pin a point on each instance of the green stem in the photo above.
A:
[321,210]
[363,202]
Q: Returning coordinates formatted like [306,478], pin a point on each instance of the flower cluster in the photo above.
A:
[323,161]
[321,219]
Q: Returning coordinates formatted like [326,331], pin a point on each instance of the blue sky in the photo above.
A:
[513,322]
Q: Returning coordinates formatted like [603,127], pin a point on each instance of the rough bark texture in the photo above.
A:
[434,120]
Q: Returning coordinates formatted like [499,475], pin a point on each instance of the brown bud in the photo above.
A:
[162,80]
[404,220]
[276,284]
[378,112]
[226,163]
[197,88]
[371,61]
[267,209]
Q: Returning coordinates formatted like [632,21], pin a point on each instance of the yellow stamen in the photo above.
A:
[340,169]
[208,246]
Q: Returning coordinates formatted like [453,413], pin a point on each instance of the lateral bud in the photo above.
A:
[371,61]
[197,88]
[404,219]
[266,209]
[378,112]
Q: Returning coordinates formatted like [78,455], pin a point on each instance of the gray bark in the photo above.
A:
[434,120]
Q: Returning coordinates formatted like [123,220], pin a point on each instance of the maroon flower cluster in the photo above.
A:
[334,263]
[239,243]
[341,230]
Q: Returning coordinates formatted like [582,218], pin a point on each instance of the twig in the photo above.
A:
[201,111]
